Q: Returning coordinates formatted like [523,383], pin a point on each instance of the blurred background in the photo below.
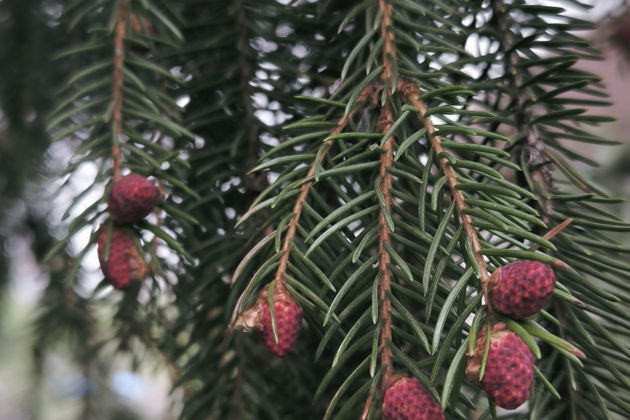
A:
[51,386]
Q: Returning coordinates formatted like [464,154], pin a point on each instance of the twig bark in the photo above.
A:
[412,94]
[384,241]
[287,245]
[118,80]
[389,48]
[386,120]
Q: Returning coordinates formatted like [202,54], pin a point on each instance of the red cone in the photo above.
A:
[407,399]
[132,198]
[288,316]
[124,264]
[509,373]
[522,288]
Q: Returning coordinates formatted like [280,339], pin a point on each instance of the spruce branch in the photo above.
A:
[389,47]
[119,92]
[117,85]
[287,246]
[384,242]
[385,123]
[528,100]
[540,165]
[412,94]
[536,160]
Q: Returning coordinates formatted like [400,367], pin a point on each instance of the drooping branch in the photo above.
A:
[118,80]
[384,241]
[412,94]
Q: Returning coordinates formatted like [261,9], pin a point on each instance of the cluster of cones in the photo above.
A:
[518,290]
[130,200]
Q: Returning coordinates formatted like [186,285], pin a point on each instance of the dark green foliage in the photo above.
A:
[296,92]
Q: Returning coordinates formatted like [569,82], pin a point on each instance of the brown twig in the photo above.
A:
[389,48]
[412,94]
[385,122]
[119,59]
[287,245]
[366,408]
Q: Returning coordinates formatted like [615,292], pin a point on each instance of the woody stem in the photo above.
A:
[119,59]
[412,94]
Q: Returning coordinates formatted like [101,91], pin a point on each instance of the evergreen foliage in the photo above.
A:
[377,159]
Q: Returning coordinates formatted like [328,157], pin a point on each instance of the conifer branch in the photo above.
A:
[119,59]
[389,49]
[412,93]
[287,245]
[523,117]
[537,162]
[385,122]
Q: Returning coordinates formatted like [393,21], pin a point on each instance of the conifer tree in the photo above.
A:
[393,184]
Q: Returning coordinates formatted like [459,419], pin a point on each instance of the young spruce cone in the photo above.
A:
[509,370]
[522,288]
[132,198]
[288,316]
[406,399]
[124,263]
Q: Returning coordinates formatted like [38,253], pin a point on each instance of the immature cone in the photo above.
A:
[406,399]
[124,264]
[522,288]
[288,316]
[509,370]
[132,198]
